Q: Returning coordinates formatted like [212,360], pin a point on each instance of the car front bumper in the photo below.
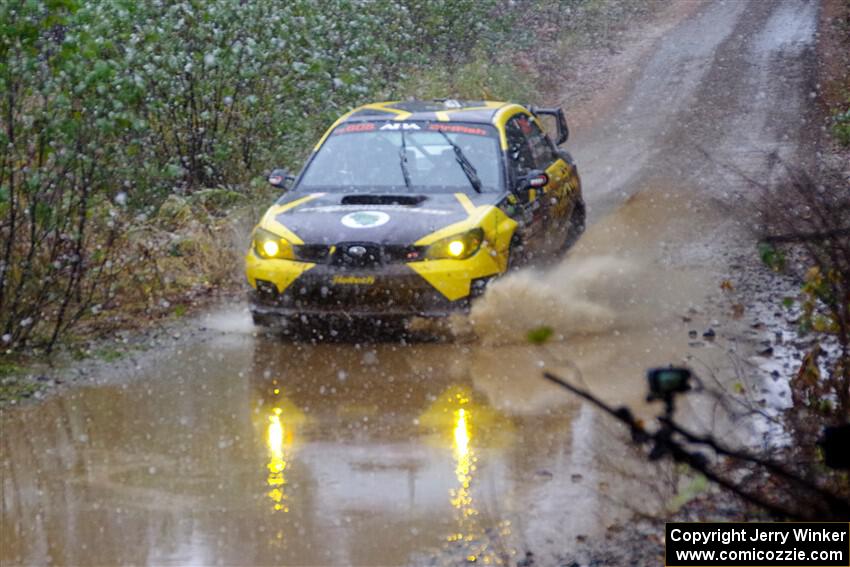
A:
[388,291]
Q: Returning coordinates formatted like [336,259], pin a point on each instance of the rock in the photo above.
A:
[696,344]
[576,477]
[709,334]
[692,334]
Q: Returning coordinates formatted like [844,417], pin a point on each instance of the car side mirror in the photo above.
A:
[280,178]
[560,121]
[533,180]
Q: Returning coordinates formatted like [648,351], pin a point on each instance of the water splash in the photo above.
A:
[579,296]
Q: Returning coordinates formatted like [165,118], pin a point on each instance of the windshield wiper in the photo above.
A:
[468,169]
[403,161]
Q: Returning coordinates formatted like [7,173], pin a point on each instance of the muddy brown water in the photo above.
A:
[249,450]
[240,448]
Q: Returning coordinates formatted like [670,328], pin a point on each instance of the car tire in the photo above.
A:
[576,228]
[516,256]
[261,319]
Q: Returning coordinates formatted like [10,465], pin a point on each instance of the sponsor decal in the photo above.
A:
[353,280]
[365,219]
[356,127]
[458,129]
[400,126]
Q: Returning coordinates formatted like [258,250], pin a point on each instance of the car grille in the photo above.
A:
[359,255]
[316,253]
[316,296]
[338,297]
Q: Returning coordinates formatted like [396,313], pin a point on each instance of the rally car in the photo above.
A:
[411,208]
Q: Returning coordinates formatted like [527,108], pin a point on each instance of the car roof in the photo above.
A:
[444,110]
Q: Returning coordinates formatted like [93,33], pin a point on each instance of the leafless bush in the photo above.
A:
[811,217]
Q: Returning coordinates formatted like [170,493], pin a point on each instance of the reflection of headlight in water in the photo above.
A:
[461,434]
[277,462]
[461,498]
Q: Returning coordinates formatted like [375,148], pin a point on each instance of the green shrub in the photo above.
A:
[841,127]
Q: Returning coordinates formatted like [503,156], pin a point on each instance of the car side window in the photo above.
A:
[528,146]
[541,147]
[519,150]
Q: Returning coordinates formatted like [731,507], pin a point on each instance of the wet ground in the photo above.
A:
[234,447]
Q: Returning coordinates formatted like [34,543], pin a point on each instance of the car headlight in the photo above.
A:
[269,245]
[457,247]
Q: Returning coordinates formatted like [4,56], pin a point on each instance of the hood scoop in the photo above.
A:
[367,199]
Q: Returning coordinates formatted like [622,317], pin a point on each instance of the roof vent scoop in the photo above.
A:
[452,103]
[366,199]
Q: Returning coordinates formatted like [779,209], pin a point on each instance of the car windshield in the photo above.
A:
[367,157]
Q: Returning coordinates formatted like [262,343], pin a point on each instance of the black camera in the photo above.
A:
[665,382]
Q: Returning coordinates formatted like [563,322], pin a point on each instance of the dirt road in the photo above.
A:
[235,448]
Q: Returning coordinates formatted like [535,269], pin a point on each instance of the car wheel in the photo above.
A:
[261,319]
[516,255]
[576,228]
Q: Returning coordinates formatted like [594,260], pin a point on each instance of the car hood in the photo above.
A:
[330,218]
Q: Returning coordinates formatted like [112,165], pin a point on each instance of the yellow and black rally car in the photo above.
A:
[410,208]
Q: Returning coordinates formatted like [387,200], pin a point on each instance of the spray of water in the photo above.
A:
[579,296]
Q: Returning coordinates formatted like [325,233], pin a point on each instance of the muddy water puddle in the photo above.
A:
[251,450]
